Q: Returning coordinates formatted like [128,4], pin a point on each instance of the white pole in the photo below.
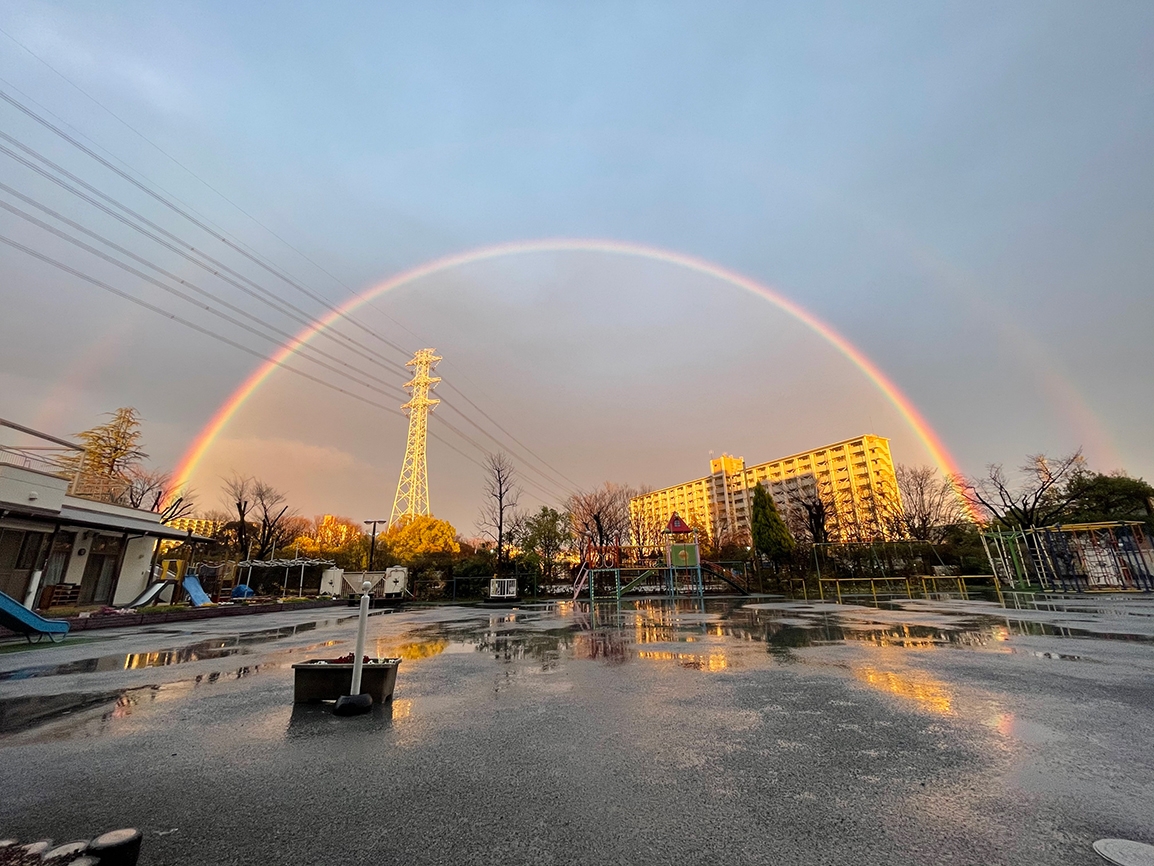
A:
[33,588]
[358,659]
[297,555]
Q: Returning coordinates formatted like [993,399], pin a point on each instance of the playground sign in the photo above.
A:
[683,556]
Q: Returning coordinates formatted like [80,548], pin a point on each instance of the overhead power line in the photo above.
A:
[189,252]
[275,301]
[280,336]
[215,233]
[193,174]
[208,332]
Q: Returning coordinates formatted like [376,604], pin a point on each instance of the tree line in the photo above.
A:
[255,521]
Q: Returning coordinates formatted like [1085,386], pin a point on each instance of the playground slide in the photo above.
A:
[579,583]
[16,617]
[723,574]
[150,594]
[196,593]
[638,581]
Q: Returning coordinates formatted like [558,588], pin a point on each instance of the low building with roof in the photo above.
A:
[58,546]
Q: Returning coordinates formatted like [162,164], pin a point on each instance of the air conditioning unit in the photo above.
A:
[331,581]
[396,580]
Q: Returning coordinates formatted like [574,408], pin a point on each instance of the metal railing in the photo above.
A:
[61,458]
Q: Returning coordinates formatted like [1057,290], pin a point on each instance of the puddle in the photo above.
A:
[708,637]
[214,648]
[714,635]
[95,712]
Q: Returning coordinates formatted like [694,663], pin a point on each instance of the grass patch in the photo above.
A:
[163,608]
[66,612]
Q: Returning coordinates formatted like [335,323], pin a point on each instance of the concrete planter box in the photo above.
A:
[318,681]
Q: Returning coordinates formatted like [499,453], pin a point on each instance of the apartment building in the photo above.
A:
[853,480]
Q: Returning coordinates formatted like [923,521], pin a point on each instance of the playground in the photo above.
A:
[658,729]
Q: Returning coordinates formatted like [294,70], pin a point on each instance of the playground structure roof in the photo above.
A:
[282,563]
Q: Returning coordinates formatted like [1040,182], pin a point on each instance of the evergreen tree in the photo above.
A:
[111,449]
[112,454]
[771,538]
[1097,497]
[546,534]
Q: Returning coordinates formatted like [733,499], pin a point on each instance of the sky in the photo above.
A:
[964,191]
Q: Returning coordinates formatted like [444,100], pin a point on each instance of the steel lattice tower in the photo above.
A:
[412,497]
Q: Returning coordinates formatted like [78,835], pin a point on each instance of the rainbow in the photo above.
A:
[208,434]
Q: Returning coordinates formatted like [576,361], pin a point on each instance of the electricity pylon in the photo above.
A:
[412,496]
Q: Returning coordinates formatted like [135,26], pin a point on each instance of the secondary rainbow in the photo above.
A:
[208,434]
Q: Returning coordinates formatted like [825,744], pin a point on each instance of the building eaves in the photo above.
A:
[86,519]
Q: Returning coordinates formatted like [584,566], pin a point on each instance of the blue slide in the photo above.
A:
[16,617]
[196,593]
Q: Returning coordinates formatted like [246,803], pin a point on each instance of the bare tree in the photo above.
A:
[148,489]
[237,496]
[501,496]
[929,505]
[272,518]
[814,511]
[601,515]
[1038,499]
[645,528]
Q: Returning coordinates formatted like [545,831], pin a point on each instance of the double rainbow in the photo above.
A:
[208,434]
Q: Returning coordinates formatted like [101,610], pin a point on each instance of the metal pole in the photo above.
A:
[373,540]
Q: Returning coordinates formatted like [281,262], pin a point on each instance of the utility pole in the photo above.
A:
[373,541]
[412,497]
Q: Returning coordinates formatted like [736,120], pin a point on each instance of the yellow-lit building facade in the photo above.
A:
[196,525]
[854,479]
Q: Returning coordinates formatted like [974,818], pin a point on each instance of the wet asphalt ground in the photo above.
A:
[755,731]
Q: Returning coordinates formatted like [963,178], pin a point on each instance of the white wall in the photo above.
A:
[26,487]
[134,570]
[75,570]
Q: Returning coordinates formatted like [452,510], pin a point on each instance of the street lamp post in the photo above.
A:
[373,540]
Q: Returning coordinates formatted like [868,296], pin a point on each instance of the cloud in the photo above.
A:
[288,464]
[77,57]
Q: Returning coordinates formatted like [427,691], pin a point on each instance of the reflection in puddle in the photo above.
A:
[709,636]
[1013,727]
[201,651]
[412,650]
[928,693]
[711,662]
[93,714]
[608,646]
[311,721]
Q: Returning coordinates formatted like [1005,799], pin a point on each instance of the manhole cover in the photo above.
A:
[1124,852]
